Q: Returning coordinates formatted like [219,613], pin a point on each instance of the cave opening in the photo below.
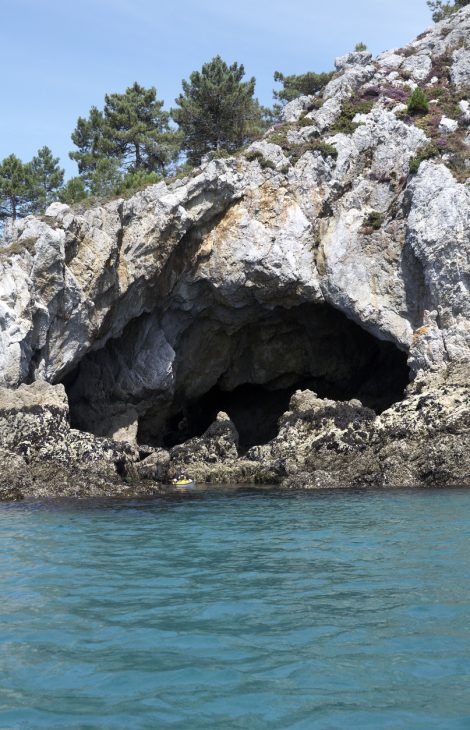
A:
[256,409]
[248,369]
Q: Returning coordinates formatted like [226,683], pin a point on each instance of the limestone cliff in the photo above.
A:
[331,255]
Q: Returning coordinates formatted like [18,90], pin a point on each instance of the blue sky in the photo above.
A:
[60,57]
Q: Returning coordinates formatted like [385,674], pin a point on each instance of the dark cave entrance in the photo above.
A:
[255,409]
[248,369]
[341,361]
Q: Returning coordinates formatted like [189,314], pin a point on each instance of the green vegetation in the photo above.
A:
[360,47]
[87,137]
[306,84]
[295,151]
[74,191]
[28,187]
[441,9]
[374,220]
[217,110]
[344,123]
[418,102]
[426,152]
[135,181]
[16,187]
[263,161]
[132,133]
[305,122]
[137,132]
[313,145]
[17,247]
[47,178]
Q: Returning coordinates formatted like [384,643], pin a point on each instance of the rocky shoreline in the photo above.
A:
[424,441]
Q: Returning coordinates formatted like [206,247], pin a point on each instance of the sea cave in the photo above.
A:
[167,376]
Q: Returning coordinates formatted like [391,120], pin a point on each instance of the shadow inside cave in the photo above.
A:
[248,368]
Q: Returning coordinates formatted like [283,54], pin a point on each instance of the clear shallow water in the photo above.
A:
[237,610]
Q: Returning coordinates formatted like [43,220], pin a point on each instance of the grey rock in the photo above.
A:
[292,111]
[448,126]
[356,58]
[419,66]
[460,69]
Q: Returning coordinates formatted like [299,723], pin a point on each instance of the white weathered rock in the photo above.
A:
[56,210]
[325,116]
[448,126]
[292,111]
[270,152]
[390,60]
[418,66]
[439,235]
[347,83]
[464,107]
[356,58]
[460,69]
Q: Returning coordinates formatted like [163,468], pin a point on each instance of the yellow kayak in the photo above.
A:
[184,483]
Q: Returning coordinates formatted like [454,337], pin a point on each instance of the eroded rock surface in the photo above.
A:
[253,273]
[42,456]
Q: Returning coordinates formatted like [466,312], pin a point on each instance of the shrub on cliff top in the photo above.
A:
[374,220]
[418,102]
[426,152]
[73,191]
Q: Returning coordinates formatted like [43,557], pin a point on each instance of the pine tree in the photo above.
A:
[137,131]
[132,131]
[105,177]
[47,179]
[217,110]
[88,137]
[418,102]
[16,188]
[74,191]
[441,9]
[301,85]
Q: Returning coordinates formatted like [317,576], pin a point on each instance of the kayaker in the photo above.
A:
[183,478]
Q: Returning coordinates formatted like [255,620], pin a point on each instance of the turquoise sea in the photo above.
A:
[237,609]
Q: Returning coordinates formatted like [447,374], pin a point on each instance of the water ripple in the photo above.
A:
[237,610]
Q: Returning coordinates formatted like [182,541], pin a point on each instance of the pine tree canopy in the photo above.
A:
[16,188]
[302,85]
[137,131]
[216,110]
[87,136]
[441,9]
[47,179]
[132,128]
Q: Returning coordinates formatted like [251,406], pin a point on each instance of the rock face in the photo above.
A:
[41,455]
[332,256]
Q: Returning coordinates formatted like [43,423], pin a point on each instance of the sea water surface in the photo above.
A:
[237,609]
